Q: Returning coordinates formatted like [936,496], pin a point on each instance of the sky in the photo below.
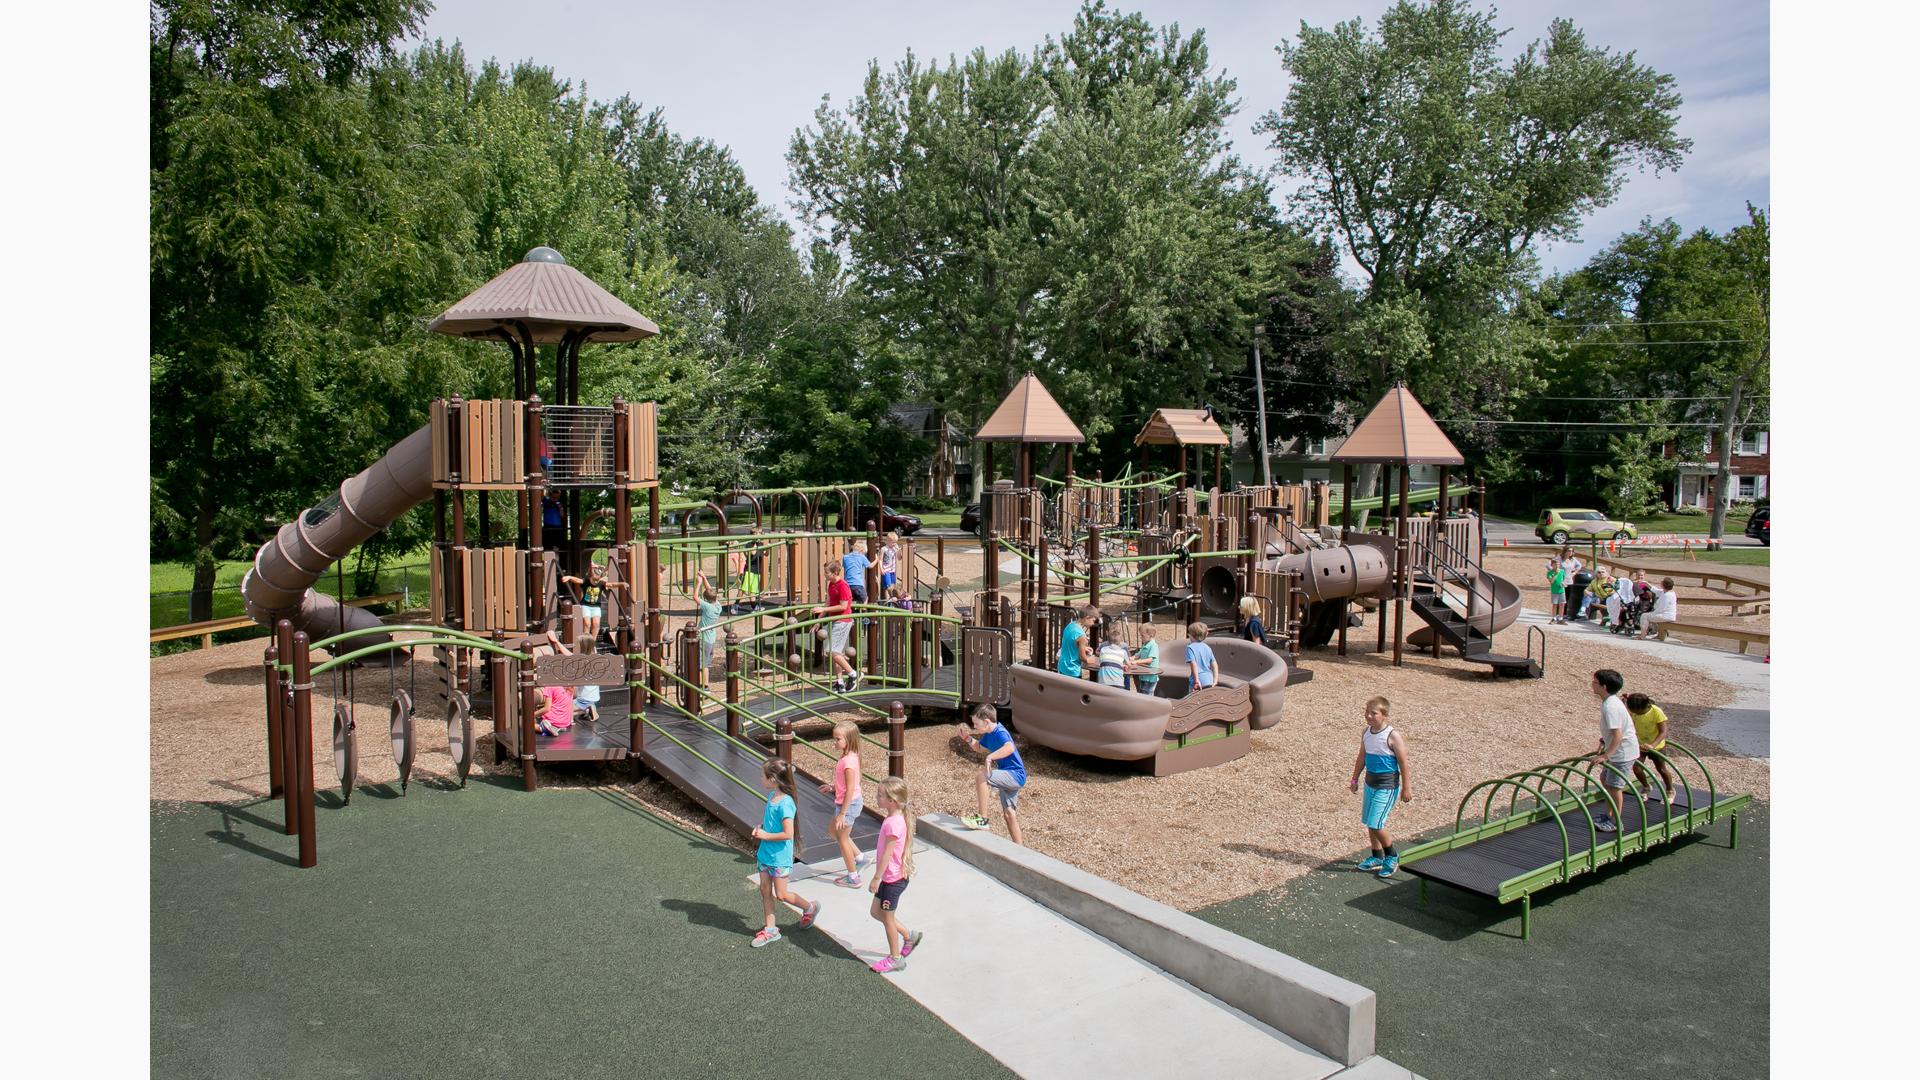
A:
[747,75]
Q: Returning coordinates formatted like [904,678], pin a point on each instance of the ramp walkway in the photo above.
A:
[1510,856]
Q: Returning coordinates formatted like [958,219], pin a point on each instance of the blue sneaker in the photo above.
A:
[1371,864]
[1386,870]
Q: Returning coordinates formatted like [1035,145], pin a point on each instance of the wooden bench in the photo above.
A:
[1703,576]
[205,629]
[1744,637]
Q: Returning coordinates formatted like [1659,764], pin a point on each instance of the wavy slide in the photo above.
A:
[1506,608]
[280,584]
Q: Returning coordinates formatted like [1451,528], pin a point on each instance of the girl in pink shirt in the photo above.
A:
[892,866]
[558,715]
[846,798]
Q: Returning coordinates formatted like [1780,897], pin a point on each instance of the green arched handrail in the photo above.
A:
[1592,831]
[1713,792]
[345,658]
[1459,817]
[1619,826]
[442,631]
[718,541]
[860,611]
[799,677]
[708,695]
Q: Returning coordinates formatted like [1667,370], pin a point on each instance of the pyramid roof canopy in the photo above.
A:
[1399,431]
[1182,427]
[551,298]
[1029,415]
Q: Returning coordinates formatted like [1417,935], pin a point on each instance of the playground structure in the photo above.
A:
[1514,855]
[1143,547]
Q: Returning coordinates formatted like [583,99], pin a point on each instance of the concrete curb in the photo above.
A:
[1322,1010]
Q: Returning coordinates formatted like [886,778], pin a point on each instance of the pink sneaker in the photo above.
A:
[887,963]
[913,942]
[766,936]
[812,913]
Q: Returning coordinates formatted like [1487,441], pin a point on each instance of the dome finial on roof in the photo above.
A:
[545,254]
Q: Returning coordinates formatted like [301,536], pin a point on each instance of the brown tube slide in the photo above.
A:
[1359,570]
[280,585]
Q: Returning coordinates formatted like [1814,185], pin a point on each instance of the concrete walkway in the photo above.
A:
[1046,996]
[1739,727]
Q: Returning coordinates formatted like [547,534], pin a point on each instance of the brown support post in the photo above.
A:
[1297,613]
[1402,573]
[1346,497]
[1480,490]
[622,519]
[532,703]
[689,645]
[897,740]
[1219,455]
[655,653]
[1037,611]
[1254,549]
[940,556]
[1028,527]
[991,555]
[917,662]
[636,712]
[536,488]
[1392,586]
[1093,565]
[733,683]
[793,588]
[283,687]
[276,754]
[302,795]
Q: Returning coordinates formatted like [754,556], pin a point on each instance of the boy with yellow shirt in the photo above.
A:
[1650,724]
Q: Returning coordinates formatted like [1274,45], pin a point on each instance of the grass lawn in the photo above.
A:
[940,519]
[1760,556]
[1655,524]
[171,582]
[1656,967]
[494,933]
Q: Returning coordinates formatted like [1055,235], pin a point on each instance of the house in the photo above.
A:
[1697,460]
[947,469]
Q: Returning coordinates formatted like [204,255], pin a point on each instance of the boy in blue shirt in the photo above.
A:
[853,566]
[1003,771]
[1202,669]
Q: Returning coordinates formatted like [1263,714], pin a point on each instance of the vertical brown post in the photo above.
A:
[733,684]
[1402,572]
[636,712]
[289,741]
[688,642]
[1181,485]
[622,519]
[897,740]
[536,488]
[1480,490]
[1346,497]
[1392,582]
[940,556]
[1219,455]
[1093,565]
[793,585]
[1297,613]
[276,754]
[1028,527]
[1037,614]
[783,749]
[532,703]
[653,600]
[873,597]
[991,555]
[1255,550]
[917,642]
[302,795]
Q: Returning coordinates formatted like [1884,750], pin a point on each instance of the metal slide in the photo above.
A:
[280,584]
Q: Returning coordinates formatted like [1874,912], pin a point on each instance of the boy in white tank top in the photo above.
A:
[1383,758]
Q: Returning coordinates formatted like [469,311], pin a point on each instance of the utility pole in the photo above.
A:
[1260,391]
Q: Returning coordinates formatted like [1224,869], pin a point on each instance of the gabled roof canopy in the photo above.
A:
[1029,415]
[1398,431]
[1182,427]
[551,298]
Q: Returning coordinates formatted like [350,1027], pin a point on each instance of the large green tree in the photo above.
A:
[1438,167]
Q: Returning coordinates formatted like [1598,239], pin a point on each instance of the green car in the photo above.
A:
[1561,526]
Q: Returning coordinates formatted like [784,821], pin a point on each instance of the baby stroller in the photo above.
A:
[1633,610]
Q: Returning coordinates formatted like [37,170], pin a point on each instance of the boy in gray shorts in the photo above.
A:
[1619,744]
[1003,771]
[839,602]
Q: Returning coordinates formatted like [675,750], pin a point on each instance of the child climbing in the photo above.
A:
[776,851]
[853,566]
[889,562]
[1003,771]
[846,798]
[1383,758]
[709,618]
[892,869]
[839,603]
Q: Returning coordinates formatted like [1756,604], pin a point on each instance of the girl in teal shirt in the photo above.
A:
[776,851]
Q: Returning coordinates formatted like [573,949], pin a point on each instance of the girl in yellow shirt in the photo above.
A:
[1650,724]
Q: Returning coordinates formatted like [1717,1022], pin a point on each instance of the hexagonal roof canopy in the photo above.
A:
[1398,431]
[1030,415]
[550,298]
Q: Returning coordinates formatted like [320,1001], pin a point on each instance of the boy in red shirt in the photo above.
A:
[839,602]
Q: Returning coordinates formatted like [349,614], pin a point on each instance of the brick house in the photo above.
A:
[1697,459]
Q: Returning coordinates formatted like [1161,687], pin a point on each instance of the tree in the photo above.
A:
[1437,168]
[1636,466]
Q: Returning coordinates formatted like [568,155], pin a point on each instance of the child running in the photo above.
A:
[846,798]
[776,851]
[1383,757]
[1650,727]
[1003,771]
[1202,669]
[892,869]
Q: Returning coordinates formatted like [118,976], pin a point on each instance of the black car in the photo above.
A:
[1758,526]
[970,519]
[894,521]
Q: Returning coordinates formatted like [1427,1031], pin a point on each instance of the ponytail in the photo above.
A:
[780,773]
[895,790]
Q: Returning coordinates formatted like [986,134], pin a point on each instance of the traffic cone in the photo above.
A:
[1503,542]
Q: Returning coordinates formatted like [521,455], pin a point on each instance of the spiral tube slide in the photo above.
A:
[280,584]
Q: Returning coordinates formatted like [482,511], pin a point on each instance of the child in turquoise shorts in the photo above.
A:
[1383,758]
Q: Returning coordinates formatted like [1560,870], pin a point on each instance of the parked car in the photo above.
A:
[891,521]
[970,519]
[1560,526]
[1759,528]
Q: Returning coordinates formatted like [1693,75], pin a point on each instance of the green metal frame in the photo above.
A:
[1562,775]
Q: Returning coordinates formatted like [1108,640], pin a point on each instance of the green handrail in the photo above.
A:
[1114,485]
[1713,792]
[346,658]
[1459,817]
[802,678]
[734,538]
[444,631]
[715,766]
[725,705]
[1566,870]
[878,611]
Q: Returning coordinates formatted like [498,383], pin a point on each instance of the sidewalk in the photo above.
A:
[1047,997]
[1741,726]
